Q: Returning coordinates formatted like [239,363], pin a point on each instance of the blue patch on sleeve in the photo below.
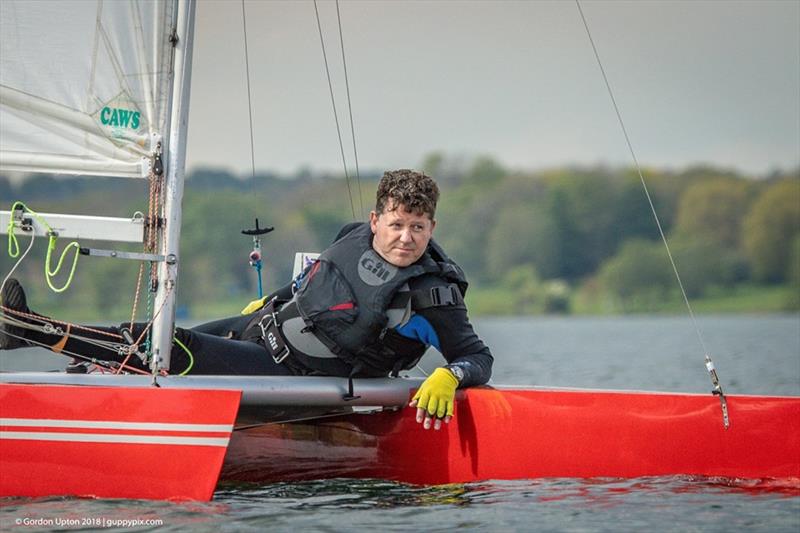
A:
[418,328]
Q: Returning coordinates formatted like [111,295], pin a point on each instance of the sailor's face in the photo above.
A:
[400,237]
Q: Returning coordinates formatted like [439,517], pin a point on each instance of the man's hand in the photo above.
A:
[435,398]
[254,306]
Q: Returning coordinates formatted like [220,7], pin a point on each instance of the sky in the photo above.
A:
[703,82]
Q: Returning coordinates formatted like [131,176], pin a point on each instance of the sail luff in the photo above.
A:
[175,162]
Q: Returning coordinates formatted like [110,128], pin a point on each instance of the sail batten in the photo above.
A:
[70,164]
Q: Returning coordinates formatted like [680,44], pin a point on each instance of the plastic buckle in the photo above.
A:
[440,297]
[279,358]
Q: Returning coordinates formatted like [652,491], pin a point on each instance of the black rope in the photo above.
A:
[335,114]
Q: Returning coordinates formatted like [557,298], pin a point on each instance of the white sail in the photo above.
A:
[101,87]
[84,84]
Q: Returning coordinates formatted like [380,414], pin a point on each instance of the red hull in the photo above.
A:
[145,442]
[113,442]
[515,434]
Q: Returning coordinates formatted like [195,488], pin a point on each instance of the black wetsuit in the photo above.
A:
[216,348]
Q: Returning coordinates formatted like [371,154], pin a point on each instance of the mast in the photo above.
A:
[174,155]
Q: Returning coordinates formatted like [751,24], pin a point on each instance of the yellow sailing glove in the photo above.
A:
[254,306]
[436,397]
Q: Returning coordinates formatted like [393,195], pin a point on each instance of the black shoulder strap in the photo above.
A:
[439,296]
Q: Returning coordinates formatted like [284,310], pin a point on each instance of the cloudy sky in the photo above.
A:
[706,81]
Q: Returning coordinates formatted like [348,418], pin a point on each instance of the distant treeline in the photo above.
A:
[530,242]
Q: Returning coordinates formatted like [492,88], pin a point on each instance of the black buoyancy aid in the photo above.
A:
[345,294]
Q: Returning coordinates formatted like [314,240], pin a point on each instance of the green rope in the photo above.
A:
[50,247]
[13,248]
[191,357]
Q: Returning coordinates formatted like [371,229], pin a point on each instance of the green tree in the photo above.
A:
[793,272]
[638,276]
[770,227]
[524,283]
[704,262]
[713,210]
[793,275]
[432,163]
[466,216]
[324,224]
[582,208]
[523,234]
[486,171]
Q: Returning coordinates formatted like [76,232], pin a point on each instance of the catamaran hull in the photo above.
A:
[290,429]
[519,433]
[113,442]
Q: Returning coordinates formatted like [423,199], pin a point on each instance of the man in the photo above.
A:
[370,306]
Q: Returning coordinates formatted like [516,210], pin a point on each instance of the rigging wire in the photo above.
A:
[350,110]
[641,178]
[335,114]
[708,362]
[249,100]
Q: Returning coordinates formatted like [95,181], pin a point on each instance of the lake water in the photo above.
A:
[753,355]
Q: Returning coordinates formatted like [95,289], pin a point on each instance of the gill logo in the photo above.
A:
[373,270]
[272,341]
[120,117]
[375,267]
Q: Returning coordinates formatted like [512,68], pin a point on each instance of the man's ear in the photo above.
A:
[373,221]
[433,224]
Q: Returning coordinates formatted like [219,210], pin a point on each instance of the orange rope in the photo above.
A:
[136,295]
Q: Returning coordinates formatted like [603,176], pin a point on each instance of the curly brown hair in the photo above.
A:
[415,191]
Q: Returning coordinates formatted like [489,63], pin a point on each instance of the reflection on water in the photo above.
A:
[672,503]
[362,494]
[351,494]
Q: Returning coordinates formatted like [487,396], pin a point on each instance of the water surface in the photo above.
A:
[753,354]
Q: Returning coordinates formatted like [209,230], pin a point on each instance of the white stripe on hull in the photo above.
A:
[114,438]
[109,424]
